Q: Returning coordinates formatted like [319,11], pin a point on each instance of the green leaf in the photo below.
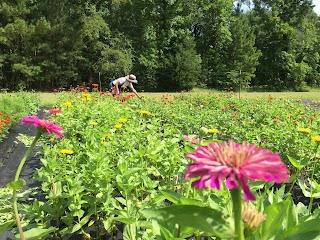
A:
[276,214]
[205,219]
[257,185]
[306,190]
[306,230]
[5,226]
[108,223]
[295,163]
[171,196]
[37,233]
[99,195]
[121,200]
[79,225]
[126,220]
[131,171]
[190,201]
[16,185]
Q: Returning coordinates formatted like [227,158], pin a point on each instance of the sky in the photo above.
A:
[317,6]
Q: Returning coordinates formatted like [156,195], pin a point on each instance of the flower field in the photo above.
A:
[174,167]
[13,106]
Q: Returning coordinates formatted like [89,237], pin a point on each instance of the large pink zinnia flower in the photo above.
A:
[237,163]
[48,126]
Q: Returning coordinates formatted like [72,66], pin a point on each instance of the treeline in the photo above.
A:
[171,45]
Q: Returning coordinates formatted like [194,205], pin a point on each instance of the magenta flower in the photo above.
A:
[48,126]
[237,163]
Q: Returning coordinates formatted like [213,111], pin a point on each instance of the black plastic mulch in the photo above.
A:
[312,104]
[11,153]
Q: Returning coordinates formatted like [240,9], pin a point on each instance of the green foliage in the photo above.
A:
[168,44]
[14,106]
[279,36]
[243,55]
[133,175]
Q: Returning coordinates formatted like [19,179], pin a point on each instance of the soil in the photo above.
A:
[11,153]
[312,104]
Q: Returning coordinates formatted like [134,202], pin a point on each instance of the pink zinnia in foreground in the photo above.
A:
[48,126]
[237,163]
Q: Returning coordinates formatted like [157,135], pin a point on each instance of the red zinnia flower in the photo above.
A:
[48,126]
[237,163]
[54,111]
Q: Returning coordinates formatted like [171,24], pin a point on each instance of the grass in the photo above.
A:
[315,96]
[49,99]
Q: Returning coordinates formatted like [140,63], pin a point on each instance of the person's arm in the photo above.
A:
[134,91]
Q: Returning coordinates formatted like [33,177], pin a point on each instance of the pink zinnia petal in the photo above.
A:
[48,126]
[248,195]
[192,139]
[237,163]
[231,182]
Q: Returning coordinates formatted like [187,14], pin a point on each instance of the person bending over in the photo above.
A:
[123,82]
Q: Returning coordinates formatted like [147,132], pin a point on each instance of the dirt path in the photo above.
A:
[11,152]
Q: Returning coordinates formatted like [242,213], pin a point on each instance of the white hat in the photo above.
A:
[131,78]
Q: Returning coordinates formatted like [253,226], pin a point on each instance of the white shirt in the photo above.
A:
[123,82]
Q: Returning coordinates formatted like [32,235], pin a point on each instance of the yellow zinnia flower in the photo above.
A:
[103,143]
[67,104]
[213,130]
[86,95]
[117,126]
[143,112]
[123,120]
[304,130]
[107,134]
[94,123]
[66,151]
[316,138]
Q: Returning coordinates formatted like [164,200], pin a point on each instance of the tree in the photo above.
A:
[242,54]
[210,25]
[276,24]
[15,45]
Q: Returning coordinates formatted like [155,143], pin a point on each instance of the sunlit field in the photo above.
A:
[156,167]
[314,95]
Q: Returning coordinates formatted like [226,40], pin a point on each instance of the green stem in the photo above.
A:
[293,183]
[188,189]
[18,172]
[236,203]
[311,181]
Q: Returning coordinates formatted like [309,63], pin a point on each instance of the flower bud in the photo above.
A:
[203,131]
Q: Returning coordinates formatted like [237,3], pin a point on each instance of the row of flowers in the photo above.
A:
[134,163]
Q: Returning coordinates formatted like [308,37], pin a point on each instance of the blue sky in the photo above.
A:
[316,7]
